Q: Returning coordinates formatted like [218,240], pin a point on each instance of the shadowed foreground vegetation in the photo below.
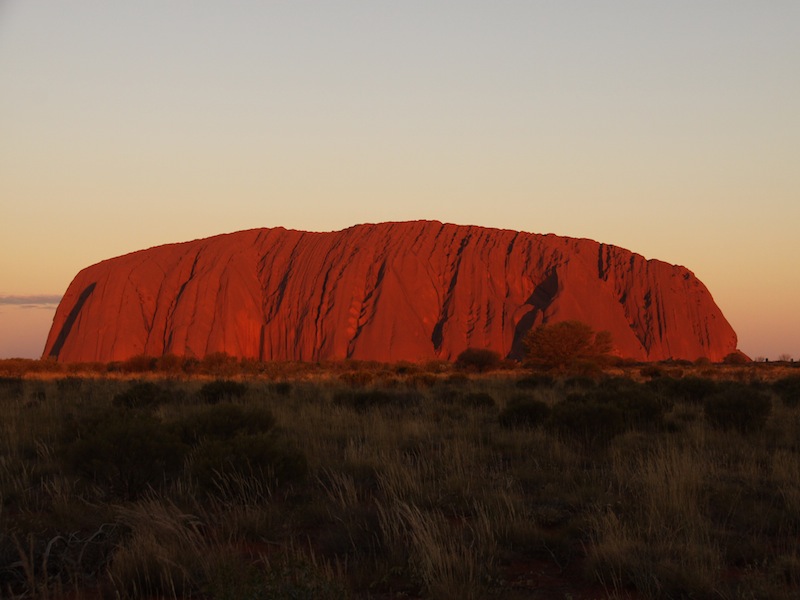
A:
[361,480]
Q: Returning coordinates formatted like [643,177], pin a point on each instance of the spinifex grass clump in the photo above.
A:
[11,388]
[221,389]
[263,456]
[478,359]
[693,390]
[231,440]
[788,389]
[741,408]
[640,408]
[146,394]
[586,420]
[362,400]
[223,422]
[477,400]
[524,411]
[123,451]
[532,382]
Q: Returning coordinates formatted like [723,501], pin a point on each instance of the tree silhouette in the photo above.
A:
[566,344]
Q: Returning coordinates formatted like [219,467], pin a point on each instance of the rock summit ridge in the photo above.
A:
[390,291]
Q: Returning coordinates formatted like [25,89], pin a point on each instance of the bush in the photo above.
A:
[567,345]
[11,387]
[478,400]
[363,400]
[221,389]
[589,422]
[693,390]
[140,363]
[259,455]
[282,388]
[735,358]
[478,359]
[580,383]
[788,389]
[422,380]
[69,385]
[640,407]
[219,364]
[524,411]
[169,363]
[224,422]
[127,452]
[144,394]
[651,371]
[741,408]
[533,382]
[616,384]
[357,378]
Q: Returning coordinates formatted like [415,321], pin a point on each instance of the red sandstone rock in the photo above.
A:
[388,292]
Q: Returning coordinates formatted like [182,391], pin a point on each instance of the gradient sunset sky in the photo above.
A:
[670,128]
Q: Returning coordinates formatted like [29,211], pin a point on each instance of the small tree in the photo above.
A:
[478,359]
[736,358]
[566,345]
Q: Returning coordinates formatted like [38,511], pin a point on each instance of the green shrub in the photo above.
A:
[144,394]
[615,384]
[478,359]
[422,380]
[741,408]
[69,385]
[169,363]
[363,400]
[640,407]
[260,455]
[11,387]
[448,395]
[788,389]
[651,371]
[140,363]
[567,345]
[693,390]
[735,358]
[524,411]
[580,383]
[282,388]
[221,389]
[478,400]
[219,364]
[357,378]
[457,379]
[124,451]
[224,422]
[533,382]
[591,423]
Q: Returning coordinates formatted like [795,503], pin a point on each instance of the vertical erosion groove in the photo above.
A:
[71,318]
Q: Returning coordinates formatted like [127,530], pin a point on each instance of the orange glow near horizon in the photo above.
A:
[672,131]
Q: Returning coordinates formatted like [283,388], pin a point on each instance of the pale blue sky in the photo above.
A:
[669,128]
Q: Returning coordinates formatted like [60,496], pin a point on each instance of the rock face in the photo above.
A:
[393,291]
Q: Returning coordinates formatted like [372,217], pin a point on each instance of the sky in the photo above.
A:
[671,128]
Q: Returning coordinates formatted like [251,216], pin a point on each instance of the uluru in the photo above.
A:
[409,291]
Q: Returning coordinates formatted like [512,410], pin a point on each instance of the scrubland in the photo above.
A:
[228,480]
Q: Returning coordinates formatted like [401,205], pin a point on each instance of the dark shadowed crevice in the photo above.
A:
[73,316]
[602,263]
[542,297]
[437,337]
